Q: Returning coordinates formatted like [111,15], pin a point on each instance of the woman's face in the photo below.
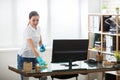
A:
[34,21]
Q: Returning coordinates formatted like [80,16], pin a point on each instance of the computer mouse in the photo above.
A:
[91,61]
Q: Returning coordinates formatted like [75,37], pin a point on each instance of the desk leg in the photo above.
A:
[103,75]
[88,76]
[26,78]
[117,77]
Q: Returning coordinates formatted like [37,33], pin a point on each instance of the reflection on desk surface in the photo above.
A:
[62,66]
[79,65]
[58,69]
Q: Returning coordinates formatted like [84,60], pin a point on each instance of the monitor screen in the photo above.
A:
[65,50]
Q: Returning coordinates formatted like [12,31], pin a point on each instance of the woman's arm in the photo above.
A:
[40,42]
[31,44]
[41,46]
[39,59]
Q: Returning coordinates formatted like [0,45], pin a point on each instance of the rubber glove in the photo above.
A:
[41,61]
[42,48]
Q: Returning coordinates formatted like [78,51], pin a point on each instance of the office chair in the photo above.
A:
[63,76]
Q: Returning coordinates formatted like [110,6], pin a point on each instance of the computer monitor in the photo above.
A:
[65,50]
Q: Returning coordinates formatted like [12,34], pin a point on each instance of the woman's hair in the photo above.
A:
[33,13]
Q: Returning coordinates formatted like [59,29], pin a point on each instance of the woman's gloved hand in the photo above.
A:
[42,48]
[41,61]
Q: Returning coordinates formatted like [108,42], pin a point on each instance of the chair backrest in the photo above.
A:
[65,76]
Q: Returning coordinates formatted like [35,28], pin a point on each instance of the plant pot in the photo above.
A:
[118,61]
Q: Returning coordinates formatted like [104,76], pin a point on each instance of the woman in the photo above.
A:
[32,38]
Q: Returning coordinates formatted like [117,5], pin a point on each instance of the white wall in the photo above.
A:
[5,22]
[94,6]
[7,58]
[84,19]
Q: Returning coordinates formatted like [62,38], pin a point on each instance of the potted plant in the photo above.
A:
[117,10]
[117,56]
[104,9]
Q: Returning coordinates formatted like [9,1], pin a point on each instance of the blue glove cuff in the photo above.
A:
[42,48]
[41,61]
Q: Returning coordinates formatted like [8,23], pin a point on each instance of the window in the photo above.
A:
[58,19]
[64,19]
[24,7]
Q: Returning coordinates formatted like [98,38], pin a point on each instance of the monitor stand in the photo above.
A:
[67,65]
[70,64]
